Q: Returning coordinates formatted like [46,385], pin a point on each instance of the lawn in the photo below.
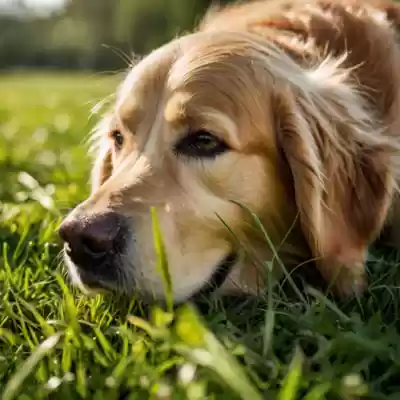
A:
[57,343]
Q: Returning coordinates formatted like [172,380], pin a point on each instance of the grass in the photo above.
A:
[56,343]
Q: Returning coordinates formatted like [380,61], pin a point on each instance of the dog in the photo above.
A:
[272,113]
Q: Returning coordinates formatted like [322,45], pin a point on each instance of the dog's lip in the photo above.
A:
[94,279]
[85,264]
[95,282]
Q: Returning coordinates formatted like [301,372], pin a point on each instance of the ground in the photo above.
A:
[57,343]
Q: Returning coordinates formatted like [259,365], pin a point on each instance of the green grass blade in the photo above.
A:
[203,348]
[292,381]
[16,381]
[162,261]
[328,303]
[269,315]
[318,392]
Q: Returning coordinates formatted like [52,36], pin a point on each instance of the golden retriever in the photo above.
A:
[290,109]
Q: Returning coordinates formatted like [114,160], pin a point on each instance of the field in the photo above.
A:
[57,343]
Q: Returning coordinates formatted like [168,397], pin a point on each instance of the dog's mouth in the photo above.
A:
[95,282]
[106,277]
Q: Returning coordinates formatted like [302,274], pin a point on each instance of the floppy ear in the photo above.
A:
[341,169]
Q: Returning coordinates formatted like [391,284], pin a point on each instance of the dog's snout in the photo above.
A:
[91,236]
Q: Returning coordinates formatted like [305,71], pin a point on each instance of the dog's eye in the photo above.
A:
[118,138]
[201,144]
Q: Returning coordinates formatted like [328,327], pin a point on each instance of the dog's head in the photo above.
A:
[211,121]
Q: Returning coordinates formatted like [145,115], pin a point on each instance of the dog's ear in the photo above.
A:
[340,166]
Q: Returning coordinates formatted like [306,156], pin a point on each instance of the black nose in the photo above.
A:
[91,237]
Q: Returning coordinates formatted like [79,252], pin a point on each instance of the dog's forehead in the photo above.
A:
[166,70]
[209,67]
[144,86]
[212,75]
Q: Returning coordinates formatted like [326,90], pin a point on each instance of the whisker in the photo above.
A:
[119,52]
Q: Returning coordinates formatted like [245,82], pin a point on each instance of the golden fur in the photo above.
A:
[306,95]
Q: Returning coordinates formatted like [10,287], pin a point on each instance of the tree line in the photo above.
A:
[94,34]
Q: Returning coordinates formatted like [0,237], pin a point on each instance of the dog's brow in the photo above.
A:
[175,111]
[128,115]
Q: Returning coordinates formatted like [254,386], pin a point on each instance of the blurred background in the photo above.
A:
[89,34]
